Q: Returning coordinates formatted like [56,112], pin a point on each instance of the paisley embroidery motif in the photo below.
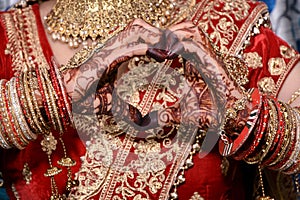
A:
[266,85]
[222,21]
[253,60]
[276,66]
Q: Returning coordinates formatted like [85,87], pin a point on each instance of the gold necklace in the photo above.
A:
[76,21]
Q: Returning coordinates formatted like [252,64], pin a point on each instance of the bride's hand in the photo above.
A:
[132,41]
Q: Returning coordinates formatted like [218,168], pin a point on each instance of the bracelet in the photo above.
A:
[296,150]
[16,107]
[285,138]
[33,104]
[268,138]
[13,118]
[272,131]
[5,139]
[8,119]
[256,136]
[290,146]
[228,147]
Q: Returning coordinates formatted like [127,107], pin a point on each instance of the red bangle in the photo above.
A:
[291,145]
[282,141]
[13,134]
[257,134]
[228,147]
[7,143]
[40,84]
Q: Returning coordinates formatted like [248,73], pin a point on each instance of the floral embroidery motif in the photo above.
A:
[287,52]
[253,60]
[27,174]
[132,169]
[276,66]
[222,21]
[196,196]
[266,85]
[161,91]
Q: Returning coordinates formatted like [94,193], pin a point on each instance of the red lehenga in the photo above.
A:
[146,169]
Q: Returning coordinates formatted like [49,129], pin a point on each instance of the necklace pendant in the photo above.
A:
[66,162]
[52,171]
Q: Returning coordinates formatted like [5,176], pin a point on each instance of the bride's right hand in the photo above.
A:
[134,40]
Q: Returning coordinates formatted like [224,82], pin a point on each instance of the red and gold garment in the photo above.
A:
[113,166]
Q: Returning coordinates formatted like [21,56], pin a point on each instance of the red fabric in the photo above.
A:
[267,46]
[13,160]
[204,177]
[5,61]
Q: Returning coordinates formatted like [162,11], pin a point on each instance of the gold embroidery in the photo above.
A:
[287,52]
[283,76]
[23,39]
[253,60]
[27,174]
[276,66]
[196,196]
[141,170]
[15,192]
[222,21]
[163,89]
[266,85]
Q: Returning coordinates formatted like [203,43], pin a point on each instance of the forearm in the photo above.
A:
[290,86]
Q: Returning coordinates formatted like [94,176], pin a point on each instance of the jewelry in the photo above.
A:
[196,147]
[76,21]
[264,197]
[228,147]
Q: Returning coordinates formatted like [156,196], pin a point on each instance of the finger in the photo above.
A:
[129,50]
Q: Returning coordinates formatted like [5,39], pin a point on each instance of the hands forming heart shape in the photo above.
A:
[140,39]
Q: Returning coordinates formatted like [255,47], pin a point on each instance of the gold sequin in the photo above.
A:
[27,174]
[276,66]
[287,52]
[196,196]
[253,60]
[266,85]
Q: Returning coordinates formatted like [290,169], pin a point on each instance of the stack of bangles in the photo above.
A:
[22,118]
[270,138]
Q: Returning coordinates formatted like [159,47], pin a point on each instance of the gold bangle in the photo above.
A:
[13,119]
[5,139]
[271,130]
[25,106]
[52,96]
[294,155]
[8,124]
[32,102]
[287,135]
[19,116]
